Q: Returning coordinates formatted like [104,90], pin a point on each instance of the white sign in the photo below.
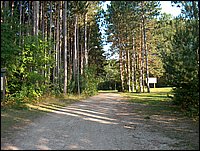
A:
[1,83]
[152,80]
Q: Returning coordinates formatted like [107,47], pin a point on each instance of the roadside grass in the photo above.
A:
[155,102]
[14,118]
[158,109]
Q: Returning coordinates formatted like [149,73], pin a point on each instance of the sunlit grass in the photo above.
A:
[61,100]
[156,102]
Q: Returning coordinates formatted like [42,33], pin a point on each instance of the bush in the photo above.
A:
[89,81]
[187,97]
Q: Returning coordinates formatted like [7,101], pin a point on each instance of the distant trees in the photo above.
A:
[111,80]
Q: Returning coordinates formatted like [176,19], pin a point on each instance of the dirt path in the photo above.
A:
[103,122]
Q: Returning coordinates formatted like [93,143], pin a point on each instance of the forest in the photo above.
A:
[56,47]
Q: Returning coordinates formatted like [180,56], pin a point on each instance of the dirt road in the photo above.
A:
[102,122]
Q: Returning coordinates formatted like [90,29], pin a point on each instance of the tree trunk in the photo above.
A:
[129,74]
[75,52]
[57,43]
[29,18]
[146,54]
[42,17]
[71,57]
[50,70]
[140,62]
[20,22]
[78,62]
[85,42]
[36,17]
[142,59]
[12,13]
[60,45]
[65,46]
[133,65]
[121,69]
[82,59]
[54,49]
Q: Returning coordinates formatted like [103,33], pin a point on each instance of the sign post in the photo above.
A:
[3,82]
[153,80]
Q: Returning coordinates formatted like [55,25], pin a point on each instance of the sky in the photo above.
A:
[166,8]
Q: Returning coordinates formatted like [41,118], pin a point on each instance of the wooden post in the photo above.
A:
[3,82]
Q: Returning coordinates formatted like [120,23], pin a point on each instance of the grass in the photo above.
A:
[157,108]
[156,102]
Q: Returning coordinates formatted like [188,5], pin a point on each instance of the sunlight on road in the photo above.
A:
[77,112]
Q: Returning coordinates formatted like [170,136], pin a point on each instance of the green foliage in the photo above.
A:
[89,81]
[9,48]
[182,63]
[188,98]
[25,73]
[111,80]
[33,66]
[72,86]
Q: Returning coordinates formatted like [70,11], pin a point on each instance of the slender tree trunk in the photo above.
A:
[20,22]
[29,18]
[12,13]
[142,59]
[75,52]
[71,57]
[82,59]
[47,79]
[57,42]
[54,48]
[50,70]
[60,45]
[129,74]
[36,17]
[146,54]
[121,69]
[140,63]
[12,8]
[138,69]
[133,65]
[6,8]
[65,45]
[42,17]
[2,19]
[30,31]
[85,42]
[78,62]
[125,69]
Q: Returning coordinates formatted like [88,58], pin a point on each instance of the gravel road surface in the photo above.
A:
[102,122]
